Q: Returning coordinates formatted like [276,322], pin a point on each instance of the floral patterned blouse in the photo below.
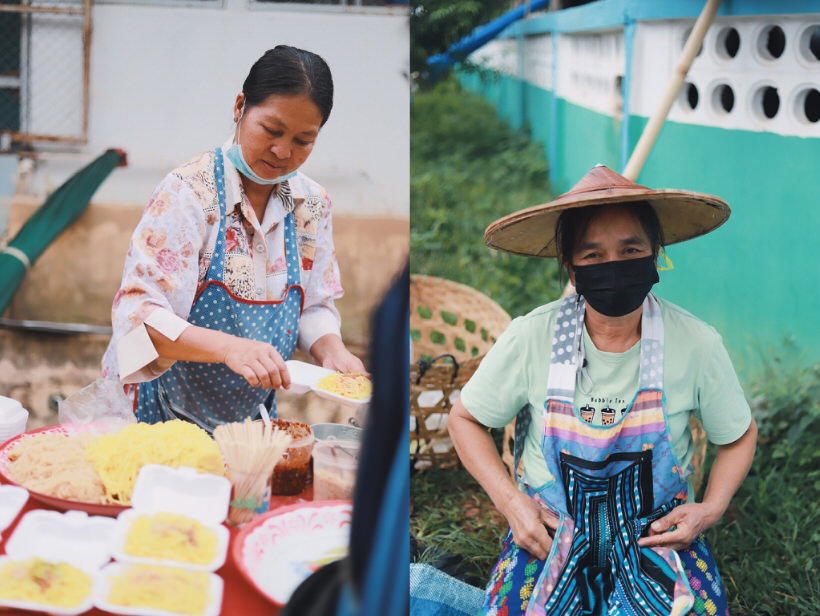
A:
[171,250]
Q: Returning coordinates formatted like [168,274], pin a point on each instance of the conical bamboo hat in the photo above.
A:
[683,214]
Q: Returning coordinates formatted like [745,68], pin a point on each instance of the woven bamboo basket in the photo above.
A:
[452,326]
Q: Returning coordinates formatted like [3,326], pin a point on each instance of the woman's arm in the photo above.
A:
[730,467]
[476,449]
[160,279]
[257,362]
[330,352]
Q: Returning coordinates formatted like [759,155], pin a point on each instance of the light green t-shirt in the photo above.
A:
[698,378]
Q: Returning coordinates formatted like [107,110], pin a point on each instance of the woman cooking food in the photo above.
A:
[232,263]
[605,521]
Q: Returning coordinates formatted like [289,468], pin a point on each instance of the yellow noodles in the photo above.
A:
[171,536]
[119,457]
[55,464]
[103,469]
[34,579]
[351,385]
[163,588]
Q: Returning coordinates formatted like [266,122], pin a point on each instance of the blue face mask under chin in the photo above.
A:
[234,154]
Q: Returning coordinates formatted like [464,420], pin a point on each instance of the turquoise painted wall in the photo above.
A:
[755,278]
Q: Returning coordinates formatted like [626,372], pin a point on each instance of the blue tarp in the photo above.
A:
[481,36]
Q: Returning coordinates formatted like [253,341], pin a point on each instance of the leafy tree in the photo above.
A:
[437,24]
[468,168]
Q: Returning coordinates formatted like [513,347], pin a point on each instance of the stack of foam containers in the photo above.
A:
[13,418]
[182,491]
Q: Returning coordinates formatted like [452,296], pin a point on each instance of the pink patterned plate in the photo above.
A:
[276,551]
[62,504]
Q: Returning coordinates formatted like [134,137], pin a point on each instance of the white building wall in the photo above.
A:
[591,66]
[590,70]
[500,54]
[538,60]
[164,79]
[793,75]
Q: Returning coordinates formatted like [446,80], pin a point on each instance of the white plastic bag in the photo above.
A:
[102,404]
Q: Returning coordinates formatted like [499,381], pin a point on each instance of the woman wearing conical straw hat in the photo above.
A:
[604,519]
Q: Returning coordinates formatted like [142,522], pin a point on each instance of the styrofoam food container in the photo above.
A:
[304,377]
[102,588]
[11,410]
[184,491]
[73,537]
[12,499]
[13,418]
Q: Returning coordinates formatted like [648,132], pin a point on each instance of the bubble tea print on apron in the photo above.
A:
[608,483]
[209,394]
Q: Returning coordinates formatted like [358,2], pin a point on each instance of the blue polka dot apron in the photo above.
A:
[209,394]
[607,484]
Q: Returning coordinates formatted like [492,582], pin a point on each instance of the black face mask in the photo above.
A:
[616,288]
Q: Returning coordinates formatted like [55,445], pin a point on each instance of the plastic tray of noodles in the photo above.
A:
[307,377]
[278,550]
[63,504]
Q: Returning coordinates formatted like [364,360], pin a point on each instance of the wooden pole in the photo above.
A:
[653,128]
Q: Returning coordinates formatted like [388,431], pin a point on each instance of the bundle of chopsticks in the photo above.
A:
[251,450]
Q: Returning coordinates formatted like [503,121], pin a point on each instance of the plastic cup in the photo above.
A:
[290,475]
[334,469]
[336,431]
[248,496]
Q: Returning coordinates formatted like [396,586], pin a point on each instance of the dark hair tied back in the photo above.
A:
[290,71]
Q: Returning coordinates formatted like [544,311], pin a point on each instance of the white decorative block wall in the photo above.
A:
[538,60]
[500,55]
[758,74]
[591,68]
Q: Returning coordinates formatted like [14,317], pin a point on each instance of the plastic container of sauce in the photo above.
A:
[290,475]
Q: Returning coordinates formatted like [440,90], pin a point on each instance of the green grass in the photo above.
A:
[453,516]
[768,543]
[468,168]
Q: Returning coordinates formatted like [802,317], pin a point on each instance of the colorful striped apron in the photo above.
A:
[608,483]
[209,394]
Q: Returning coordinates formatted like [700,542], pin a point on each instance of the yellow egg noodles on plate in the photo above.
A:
[171,536]
[55,464]
[103,469]
[37,580]
[118,457]
[349,385]
[162,588]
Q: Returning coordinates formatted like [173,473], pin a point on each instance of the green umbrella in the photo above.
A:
[61,208]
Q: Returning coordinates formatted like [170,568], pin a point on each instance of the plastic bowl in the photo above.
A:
[334,469]
[290,475]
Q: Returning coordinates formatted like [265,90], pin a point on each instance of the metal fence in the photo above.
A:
[44,70]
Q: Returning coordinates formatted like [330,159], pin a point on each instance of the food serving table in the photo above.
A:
[239,596]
